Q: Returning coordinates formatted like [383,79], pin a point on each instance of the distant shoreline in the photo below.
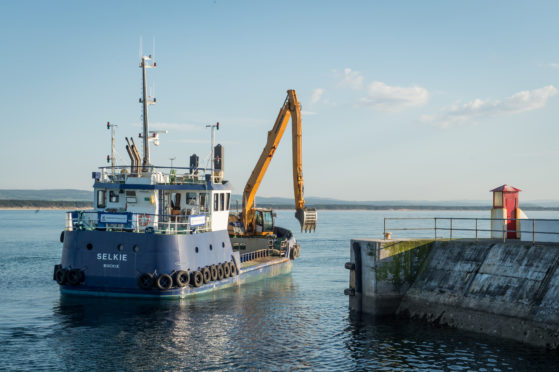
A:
[72,205]
[42,208]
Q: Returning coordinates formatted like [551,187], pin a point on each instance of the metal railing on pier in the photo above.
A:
[534,230]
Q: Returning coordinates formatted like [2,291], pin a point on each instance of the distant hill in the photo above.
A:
[38,204]
[50,195]
[69,195]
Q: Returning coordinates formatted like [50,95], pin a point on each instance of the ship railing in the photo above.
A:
[160,175]
[526,229]
[138,222]
[249,256]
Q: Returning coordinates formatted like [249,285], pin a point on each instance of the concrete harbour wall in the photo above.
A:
[508,289]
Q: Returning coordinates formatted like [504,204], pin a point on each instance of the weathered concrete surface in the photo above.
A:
[383,272]
[508,289]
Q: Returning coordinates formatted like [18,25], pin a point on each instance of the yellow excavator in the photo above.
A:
[260,221]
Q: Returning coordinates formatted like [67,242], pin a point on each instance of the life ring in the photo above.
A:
[181,278]
[145,281]
[144,220]
[207,275]
[196,278]
[164,282]
[233,268]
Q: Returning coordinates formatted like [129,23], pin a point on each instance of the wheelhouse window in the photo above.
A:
[131,196]
[203,202]
[191,198]
[175,203]
[228,200]
[113,197]
[101,199]
[222,201]
[216,202]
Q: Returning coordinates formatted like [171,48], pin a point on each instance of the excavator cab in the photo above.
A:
[264,221]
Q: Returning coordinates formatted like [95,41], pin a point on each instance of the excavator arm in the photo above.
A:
[307,217]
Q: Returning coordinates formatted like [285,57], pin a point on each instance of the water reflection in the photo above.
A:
[296,321]
[391,343]
[250,327]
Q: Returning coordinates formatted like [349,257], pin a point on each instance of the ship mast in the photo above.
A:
[145,100]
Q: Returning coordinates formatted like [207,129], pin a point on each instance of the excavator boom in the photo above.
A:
[307,217]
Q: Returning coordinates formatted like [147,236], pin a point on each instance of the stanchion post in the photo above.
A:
[451,229]
[533,232]
[476,230]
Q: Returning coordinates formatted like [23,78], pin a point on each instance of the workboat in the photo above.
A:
[165,232]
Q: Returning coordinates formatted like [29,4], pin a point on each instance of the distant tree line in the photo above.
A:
[10,203]
[400,207]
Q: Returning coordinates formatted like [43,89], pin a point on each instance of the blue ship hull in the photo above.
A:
[111,262]
[253,273]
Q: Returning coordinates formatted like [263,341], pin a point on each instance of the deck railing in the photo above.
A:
[249,256]
[138,222]
[533,230]
[160,175]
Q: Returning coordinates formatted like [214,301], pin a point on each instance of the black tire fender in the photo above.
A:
[164,282]
[196,278]
[220,273]
[207,274]
[62,237]
[145,281]
[213,271]
[226,269]
[74,276]
[233,268]
[61,275]
[182,278]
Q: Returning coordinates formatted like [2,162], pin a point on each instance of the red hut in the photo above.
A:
[505,206]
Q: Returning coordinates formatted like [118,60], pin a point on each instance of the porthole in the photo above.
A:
[120,247]
[135,248]
[89,246]
[222,244]
[196,249]
[211,247]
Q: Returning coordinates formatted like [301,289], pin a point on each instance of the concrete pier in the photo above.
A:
[508,289]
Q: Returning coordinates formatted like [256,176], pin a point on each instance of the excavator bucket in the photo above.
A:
[307,218]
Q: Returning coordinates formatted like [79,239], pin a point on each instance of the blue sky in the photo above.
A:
[430,100]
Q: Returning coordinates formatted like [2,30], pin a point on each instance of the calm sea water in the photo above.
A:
[296,321]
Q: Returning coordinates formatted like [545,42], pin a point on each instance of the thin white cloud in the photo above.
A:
[200,141]
[553,65]
[194,141]
[316,95]
[308,113]
[381,96]
[352,79]
[182,127]
[525,100]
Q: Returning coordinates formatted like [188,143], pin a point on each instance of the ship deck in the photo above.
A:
[261,260]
